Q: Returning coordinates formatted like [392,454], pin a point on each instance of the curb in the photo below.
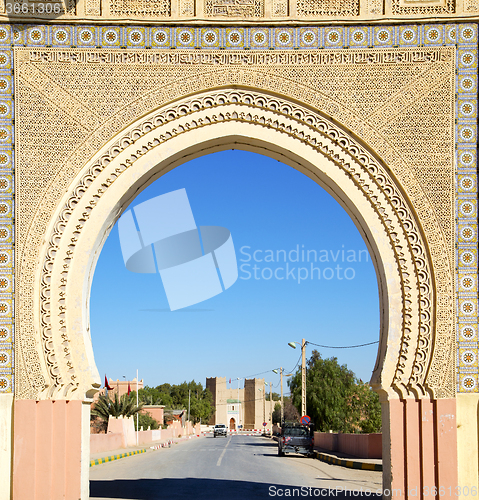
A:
[103,460]
[348,463]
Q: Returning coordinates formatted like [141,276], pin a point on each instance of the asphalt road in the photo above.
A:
[233,468]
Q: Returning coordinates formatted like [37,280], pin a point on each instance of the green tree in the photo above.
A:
[177,397]
[155,396]
[201,406]
[368,408]
[145,420]
[277,413]
[125,406]
[335,399]
[290,413]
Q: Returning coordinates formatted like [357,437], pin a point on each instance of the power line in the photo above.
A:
[342,346]
[297,363]
[261,373]
[317,345]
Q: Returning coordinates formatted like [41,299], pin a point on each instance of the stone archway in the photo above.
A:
[407,247]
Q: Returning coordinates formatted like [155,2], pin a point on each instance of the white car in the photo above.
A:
[220,430]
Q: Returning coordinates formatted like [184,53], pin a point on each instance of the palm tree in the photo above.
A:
[118,407]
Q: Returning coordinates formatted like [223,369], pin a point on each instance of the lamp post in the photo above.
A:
[303,374]
[282,403]
[271,406]
[264,407]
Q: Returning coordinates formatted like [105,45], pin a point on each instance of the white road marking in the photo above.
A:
[223,452]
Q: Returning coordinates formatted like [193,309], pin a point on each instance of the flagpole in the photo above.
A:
[137,429]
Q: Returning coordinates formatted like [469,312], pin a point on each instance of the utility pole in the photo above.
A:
[303,378]
[303,373]
[189,396]
[264,408]
[281,378]
[271,406]
[282,402]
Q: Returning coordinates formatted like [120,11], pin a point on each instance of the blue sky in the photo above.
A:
[243,331]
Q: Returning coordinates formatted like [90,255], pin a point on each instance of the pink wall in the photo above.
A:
[326,440]
[155,411]
[105,442]
[116,440]
[356,445]
[361,445]
[125,427]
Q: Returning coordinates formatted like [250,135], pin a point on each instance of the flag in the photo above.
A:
[129,389]
[230,381]
[107,387]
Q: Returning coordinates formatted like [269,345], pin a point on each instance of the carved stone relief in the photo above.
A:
[234,8]
[422,7]
[140,8]
[373,93]
[319,8]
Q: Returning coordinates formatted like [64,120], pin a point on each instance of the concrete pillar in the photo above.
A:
[420,448]
[428,450]
[6,435]
[446,443]
[467,441]
[51,450]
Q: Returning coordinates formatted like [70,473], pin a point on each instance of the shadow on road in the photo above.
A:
[259,442]
[210,489]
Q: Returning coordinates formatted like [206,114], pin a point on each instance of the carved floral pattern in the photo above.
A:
[35,382]
[369,176]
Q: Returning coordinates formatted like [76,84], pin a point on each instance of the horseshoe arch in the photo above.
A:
[412,347]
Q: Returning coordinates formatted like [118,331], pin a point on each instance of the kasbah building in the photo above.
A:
[247,408]
[374,100]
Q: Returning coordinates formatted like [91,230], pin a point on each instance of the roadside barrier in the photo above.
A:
[166,444]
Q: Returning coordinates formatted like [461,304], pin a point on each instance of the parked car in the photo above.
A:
[295,438]
[220,430]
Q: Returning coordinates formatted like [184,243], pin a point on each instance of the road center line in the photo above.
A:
[223,452]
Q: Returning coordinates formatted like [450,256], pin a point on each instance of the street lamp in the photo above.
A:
[264,407]
[271,406]
[303,374]
[282,403]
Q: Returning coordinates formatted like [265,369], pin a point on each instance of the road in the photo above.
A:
[233,468]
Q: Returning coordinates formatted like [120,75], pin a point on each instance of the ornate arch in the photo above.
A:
[412,346]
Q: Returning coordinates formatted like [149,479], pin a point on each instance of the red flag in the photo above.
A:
[129,390]
[230,381]
[108,388]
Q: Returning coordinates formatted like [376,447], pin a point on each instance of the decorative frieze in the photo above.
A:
[234,8]
[327,8]
[140,8]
